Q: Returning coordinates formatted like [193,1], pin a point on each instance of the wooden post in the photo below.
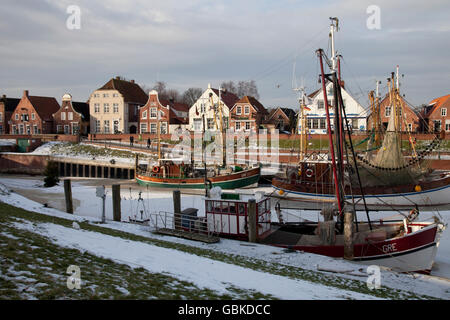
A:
[68,195]
[116,202]
[177,208]
[348,235]
[251,220]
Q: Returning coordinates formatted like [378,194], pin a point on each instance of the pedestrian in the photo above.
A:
[148,143]
[131,140]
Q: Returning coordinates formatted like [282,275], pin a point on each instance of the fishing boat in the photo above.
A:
[176,173]
[390,178]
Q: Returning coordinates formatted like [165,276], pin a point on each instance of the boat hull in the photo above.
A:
[294,196]
[414,252]
[240,179]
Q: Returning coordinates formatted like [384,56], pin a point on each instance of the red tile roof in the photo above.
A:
[443,101]
[174,107]
[131,91]
[228,98]
[44,106]
[254,102]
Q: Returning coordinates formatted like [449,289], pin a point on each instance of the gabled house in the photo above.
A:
[409,116]
[114,108]
[247,114]
[436,115]
[282,119]
[172,115]
[7,107]
[72,117]
[316,115]
[33,115]
[203,106]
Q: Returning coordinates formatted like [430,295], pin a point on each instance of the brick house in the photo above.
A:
[412,118]
[436,115]
[33,115]
[247,114]
[72,117]
[173,115]
[7,107]
[282,119]
[114,108]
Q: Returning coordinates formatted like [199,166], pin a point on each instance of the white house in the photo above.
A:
[316,116]
[203,106]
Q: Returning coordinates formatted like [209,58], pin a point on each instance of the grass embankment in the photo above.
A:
[24,249]
[76,149]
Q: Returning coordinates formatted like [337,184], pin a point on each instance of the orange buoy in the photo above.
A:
[418,188]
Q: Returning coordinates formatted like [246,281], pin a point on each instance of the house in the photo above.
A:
[7,107]
[114,107]
[279,118]
[204,107]
[247,114]
[33,115]
[172,115]
[436,115]
[72,117]
[316,115]
[412,119]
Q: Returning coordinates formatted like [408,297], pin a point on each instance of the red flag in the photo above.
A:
[196,111]
[306,108]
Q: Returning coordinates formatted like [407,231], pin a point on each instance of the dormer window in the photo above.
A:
[444,112]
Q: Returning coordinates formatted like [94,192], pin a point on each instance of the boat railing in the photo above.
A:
[179,223]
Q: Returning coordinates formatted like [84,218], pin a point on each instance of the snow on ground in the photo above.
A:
[90,209]
[203,272]
[8,142]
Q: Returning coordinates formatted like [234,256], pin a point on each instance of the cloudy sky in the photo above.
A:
[191,43]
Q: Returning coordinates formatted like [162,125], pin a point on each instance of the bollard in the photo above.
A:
[68,195]
[116,202]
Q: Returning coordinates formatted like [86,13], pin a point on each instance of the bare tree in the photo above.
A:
[247,88]
[161,87]
[229,86]
[191,95]
[173,94]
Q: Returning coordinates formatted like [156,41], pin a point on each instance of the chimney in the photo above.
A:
[25,93]
[4,97]
[209,85]
[132,81]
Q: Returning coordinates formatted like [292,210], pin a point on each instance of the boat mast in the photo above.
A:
[159,135]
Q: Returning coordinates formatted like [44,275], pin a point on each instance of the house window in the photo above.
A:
[444,112]
[387,112]
[1,128]
[28,129]
[202,108]
[437,125]
[97,107]
[153,112]
[163,128]
[105,95]
[309,123]
[197,124]
[17,116]
[320,104]
[1,117]
[152,127]
[97,126]
[315,123]
[63,116]
[21,128]
[33,116]
[153,103]
[144,115]
[143,128]
[66,129]
[115,95]
[238,126]
[35,129]
[14,129]
[322,124]
[247,125]
[75,128]
[239,110]
[70,116]
[210,124]
[59,128]
[447,125]
[106,126]
[246,110]
[115,107]
[106,107]
[96,95]
[355,124]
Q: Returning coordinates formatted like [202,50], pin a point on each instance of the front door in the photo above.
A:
[116,126]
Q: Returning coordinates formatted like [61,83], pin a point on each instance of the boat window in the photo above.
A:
[241,208]
[225,207]
[209,206]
